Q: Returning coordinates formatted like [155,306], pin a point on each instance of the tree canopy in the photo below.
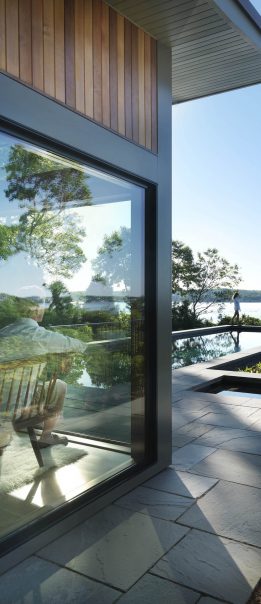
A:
[113,261]
[44,188]
[203,280]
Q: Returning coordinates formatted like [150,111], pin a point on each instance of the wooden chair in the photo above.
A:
[24,397]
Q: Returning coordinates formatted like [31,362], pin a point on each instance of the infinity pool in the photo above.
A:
[205,348]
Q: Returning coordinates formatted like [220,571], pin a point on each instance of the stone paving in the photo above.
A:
[190,535]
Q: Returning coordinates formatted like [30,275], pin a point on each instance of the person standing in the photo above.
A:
[236,307]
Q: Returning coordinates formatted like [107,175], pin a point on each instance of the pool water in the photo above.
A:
[205,348]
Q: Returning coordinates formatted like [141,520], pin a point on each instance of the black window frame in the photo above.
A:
[149,429]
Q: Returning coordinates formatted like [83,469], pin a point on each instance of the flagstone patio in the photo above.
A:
[191,534]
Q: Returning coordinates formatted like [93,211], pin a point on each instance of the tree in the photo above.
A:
[184,270]
[201,282]
[8,241]
[44,188]
[113,261]
[61,298]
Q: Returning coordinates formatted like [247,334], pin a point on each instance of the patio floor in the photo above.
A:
[192,534]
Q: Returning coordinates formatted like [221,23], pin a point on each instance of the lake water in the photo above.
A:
[253,309]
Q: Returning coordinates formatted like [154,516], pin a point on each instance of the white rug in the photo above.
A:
[18,464]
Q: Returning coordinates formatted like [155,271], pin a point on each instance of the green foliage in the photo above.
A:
[44,188]
[245,320]
[61,298]
[83,333]
[13,308]
[108,367]
[8,241]
[201,282]
[113,262]
[254,369]
[183,318]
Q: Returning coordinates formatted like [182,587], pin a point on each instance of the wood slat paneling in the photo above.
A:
[12,35]
[79,55]
[141,65]
[69,41]
[86,55]
[113,71]
[2,36]
[127,81]
[154,108]
[148,122]
[88,59]
[105,65]
[59,50]
[134,83]
[25,41]
[97,60]
[37,44]
[121,77]
[48,46]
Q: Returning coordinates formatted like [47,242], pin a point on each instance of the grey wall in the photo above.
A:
[25,107]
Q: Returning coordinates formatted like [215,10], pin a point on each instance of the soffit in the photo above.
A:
[214,49]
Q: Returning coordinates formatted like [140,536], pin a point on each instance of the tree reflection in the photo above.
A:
[202,348]
[44,188]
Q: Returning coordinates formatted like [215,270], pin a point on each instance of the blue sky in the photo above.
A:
[257,5]
[217,178]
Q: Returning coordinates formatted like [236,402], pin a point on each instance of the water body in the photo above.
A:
[253,309]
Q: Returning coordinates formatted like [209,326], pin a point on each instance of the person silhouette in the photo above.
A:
[237,307]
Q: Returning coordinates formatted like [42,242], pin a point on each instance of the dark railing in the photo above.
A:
[204,331]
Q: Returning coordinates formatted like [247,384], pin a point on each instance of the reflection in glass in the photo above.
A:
[71,327]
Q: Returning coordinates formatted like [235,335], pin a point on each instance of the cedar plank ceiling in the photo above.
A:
[86,55]
[216,44]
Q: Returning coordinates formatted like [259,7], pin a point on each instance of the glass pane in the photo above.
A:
[71,328]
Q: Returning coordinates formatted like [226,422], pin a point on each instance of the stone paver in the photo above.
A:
[186,434]
[207,600]
[243,468]
[188,456]
[212,565]
[230,419]
[116,546]
[181,483]
[247,441]
[152,590]
[36,581]
[230,510]
[155,503]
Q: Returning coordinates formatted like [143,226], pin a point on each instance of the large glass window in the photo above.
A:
[71,329]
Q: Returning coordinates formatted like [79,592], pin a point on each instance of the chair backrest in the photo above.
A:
[24,392]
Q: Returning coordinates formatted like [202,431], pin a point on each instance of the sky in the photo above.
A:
[216,176]
[257,5]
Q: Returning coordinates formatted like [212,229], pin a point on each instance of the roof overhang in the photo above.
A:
[216,44]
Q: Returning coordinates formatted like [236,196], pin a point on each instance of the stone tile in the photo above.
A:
[182,418]
[36,581]
[243,418]
[212,565]
[247,441]
[186,457]
[216,399]
[155,503]
[152,590]
[181,483]
[207,600]
[186,434]
[230,510]
[115,546]
[242,468]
